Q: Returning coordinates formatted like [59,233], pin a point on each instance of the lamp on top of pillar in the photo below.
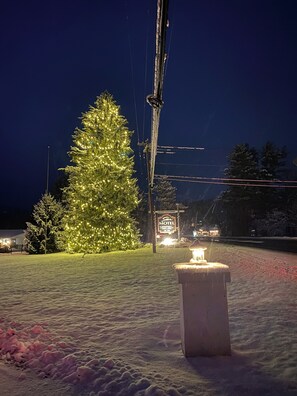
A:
[197,250]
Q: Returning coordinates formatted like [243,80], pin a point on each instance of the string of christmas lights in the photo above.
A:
[102,191]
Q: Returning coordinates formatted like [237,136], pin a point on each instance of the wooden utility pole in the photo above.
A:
[155,100]
[178,222]
[152,222]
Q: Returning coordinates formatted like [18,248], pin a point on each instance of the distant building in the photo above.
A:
[214,231]
[207,231]
[12,238]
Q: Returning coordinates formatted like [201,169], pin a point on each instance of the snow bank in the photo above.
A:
[34,347]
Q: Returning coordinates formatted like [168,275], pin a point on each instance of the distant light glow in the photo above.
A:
[5,242]
[168,241]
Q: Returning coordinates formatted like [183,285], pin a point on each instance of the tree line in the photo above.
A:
[247,207]
[258,209]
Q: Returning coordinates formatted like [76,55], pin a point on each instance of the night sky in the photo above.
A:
[231,77]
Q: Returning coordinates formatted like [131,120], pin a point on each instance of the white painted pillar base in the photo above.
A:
[204,317]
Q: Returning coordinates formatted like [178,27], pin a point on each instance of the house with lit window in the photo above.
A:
[11,238]
[207,232]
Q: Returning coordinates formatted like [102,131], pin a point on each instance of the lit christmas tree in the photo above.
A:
[102,192]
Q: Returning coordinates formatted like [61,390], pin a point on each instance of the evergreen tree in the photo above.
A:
[272,161]
[59,185]
[245,206]
[165,195]
[288,204]
[45,234]
[274,224]
[292,218]
[271,168]
[243,163]
[102,192]
[141,216]
[239,201]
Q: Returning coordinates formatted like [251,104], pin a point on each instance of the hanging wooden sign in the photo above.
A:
[166,224]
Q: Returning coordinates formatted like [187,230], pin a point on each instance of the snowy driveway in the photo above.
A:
[109,324]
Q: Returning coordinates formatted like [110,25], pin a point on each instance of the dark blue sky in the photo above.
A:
[230,78]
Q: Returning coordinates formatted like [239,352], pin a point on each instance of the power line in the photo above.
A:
[132,78]
[145,73]
[230,182]
[170,38]
[231,179]
[179,164]
[169,149]
[180,148]
[133,83]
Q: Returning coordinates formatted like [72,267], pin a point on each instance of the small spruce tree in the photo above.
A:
[165,195]
[102,192]
[45,235]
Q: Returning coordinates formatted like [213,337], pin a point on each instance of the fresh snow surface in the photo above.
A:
[109,325]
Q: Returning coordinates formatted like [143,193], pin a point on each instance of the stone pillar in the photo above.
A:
[204,318]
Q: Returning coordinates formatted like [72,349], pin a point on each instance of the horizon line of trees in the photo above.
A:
[268,211]
[243,210]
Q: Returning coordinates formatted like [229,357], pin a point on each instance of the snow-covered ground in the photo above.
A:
[109,325]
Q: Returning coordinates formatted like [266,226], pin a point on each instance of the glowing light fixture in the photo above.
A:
[198,253]
[168,241]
